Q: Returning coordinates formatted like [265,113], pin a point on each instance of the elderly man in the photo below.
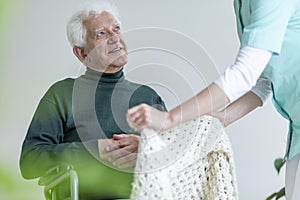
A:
[81,121]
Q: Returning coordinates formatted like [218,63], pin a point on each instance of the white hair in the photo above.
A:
[76,31]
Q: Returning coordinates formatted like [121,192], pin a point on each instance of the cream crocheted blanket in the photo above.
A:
[191,161]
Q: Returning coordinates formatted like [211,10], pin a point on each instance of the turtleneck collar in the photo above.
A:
[104,77]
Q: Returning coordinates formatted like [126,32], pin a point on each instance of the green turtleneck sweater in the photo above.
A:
[73,115]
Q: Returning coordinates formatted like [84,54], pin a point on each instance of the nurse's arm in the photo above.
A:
[238,109]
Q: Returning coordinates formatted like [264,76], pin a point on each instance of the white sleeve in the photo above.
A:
[243,74]
[262,89]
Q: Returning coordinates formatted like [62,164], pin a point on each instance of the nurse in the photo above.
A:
[268,62]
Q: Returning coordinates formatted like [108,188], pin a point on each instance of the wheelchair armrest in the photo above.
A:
[57,175]
[54,173]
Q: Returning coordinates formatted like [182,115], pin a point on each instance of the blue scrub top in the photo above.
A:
[274,25]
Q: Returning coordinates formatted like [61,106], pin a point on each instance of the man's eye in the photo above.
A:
[100,34]
[118,28]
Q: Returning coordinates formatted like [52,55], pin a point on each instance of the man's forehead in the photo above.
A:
[100,20]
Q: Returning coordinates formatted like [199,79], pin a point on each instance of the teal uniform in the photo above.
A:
[274,25]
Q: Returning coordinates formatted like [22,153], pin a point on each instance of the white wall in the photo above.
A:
[37,54]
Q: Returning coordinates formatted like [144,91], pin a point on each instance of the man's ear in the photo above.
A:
[79,52]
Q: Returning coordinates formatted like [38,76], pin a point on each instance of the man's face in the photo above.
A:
[105,46]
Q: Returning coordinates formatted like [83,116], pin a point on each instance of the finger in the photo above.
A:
[129,164]
[126,161]
[132,148]
[113,156]
[127,141]
[114,145]
[132,125]
[125,135]
[119,136]
[130,140]
[136,116]
[143,124]
[138,112]
[104,145]
[146,119]
[107,155]
[134,119]
[134,109]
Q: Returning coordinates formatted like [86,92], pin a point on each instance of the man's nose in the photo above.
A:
[113,38]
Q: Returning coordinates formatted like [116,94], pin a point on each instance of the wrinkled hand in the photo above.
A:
[121,151]
[144,116]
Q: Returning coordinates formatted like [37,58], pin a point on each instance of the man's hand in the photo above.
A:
[121,151]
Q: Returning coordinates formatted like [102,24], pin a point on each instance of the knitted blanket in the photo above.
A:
[191,161]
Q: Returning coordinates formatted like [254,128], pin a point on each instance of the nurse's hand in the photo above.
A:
[144,116]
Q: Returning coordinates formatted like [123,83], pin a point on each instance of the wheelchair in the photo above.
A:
[55,177]
[62,183]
